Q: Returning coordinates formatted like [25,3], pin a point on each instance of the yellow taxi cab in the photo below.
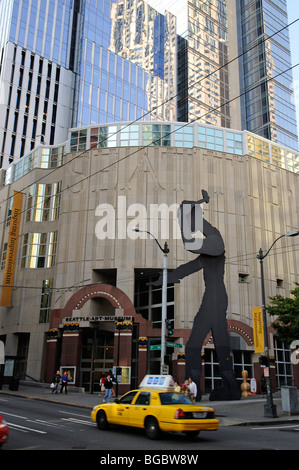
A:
[157,408]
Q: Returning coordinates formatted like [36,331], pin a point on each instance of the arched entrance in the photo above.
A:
[88,343]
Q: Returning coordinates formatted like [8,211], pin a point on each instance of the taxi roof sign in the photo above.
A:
[159,382]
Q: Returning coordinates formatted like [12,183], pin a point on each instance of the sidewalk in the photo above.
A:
[247,411]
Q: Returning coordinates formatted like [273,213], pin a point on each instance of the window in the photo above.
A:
[156,134]
[4,253]
[45,303]
[107,136]
[128,398]
[242,359]
[170,398]
[129,135]
[210,138]
[52,157]
[144,398]
[148,299]
[234,143]
[212,374]
[39,250]
[43,202]
[9,211]
[78,140]
[283,363]
[183,136]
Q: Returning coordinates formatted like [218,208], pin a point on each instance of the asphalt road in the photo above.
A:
[38,425]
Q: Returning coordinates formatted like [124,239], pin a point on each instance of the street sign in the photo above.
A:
[173,345]
[155,347]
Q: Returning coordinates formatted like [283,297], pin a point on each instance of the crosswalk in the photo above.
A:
[73,423]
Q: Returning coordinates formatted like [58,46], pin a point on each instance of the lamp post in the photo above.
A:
[165,252]
[270,410]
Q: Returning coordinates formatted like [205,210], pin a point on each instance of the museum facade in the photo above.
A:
[76,278]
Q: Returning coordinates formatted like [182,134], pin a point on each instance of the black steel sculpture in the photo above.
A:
[212,312]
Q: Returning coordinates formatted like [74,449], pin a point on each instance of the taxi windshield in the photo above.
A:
[173,398]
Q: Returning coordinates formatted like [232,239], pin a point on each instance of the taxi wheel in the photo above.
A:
[152,429]
[102,422]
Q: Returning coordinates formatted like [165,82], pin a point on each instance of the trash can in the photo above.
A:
[14,384]
[289,400]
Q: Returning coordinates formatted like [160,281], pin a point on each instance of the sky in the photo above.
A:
[293,14]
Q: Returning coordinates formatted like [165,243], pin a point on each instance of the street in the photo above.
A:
[38,425]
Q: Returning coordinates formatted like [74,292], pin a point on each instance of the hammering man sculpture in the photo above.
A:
[212,312]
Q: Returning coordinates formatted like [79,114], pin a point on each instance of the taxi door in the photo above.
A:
[121,411]
[140,409]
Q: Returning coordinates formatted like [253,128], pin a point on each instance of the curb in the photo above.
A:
[49,400]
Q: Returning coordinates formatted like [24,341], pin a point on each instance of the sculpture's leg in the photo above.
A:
[193,351]
[230,388]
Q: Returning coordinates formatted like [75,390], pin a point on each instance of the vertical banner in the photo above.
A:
[258,329]
[11,253]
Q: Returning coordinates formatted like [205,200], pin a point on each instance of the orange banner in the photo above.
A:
[258,330]
[11,253]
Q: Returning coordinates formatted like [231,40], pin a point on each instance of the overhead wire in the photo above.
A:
[183,125]
[213,110]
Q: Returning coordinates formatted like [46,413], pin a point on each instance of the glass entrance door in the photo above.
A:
[96,357]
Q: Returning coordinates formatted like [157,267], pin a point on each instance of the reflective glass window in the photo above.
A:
[39,250]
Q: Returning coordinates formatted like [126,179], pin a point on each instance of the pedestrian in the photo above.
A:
[263,385]
[56,382]
[177,387]
[108,388]
[185,388]
[64,382]
[113,381]
[102,386]
[192,389]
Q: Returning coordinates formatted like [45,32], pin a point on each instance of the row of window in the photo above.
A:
[183,136]
[156,134]
[43,205]
[37,100]
[242,360]
[177,135]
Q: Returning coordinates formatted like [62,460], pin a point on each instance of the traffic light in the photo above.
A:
[264,361]
[169,327]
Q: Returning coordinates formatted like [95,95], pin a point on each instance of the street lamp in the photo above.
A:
[165,251]
[269,408]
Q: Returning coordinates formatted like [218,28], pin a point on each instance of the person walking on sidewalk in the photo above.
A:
[192,389]
[64,382]
[108,388]
[56,381]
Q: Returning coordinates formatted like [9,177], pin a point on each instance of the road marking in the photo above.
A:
[73,414]
[10,414]
[78,421]
[26,429]
[277,427]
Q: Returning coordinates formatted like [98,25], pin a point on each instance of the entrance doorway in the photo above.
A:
[96,357]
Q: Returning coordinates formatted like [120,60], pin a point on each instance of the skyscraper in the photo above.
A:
[73,63]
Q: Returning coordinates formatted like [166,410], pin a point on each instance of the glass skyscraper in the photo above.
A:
[72,63]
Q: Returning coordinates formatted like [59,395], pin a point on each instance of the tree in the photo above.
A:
[287,311]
